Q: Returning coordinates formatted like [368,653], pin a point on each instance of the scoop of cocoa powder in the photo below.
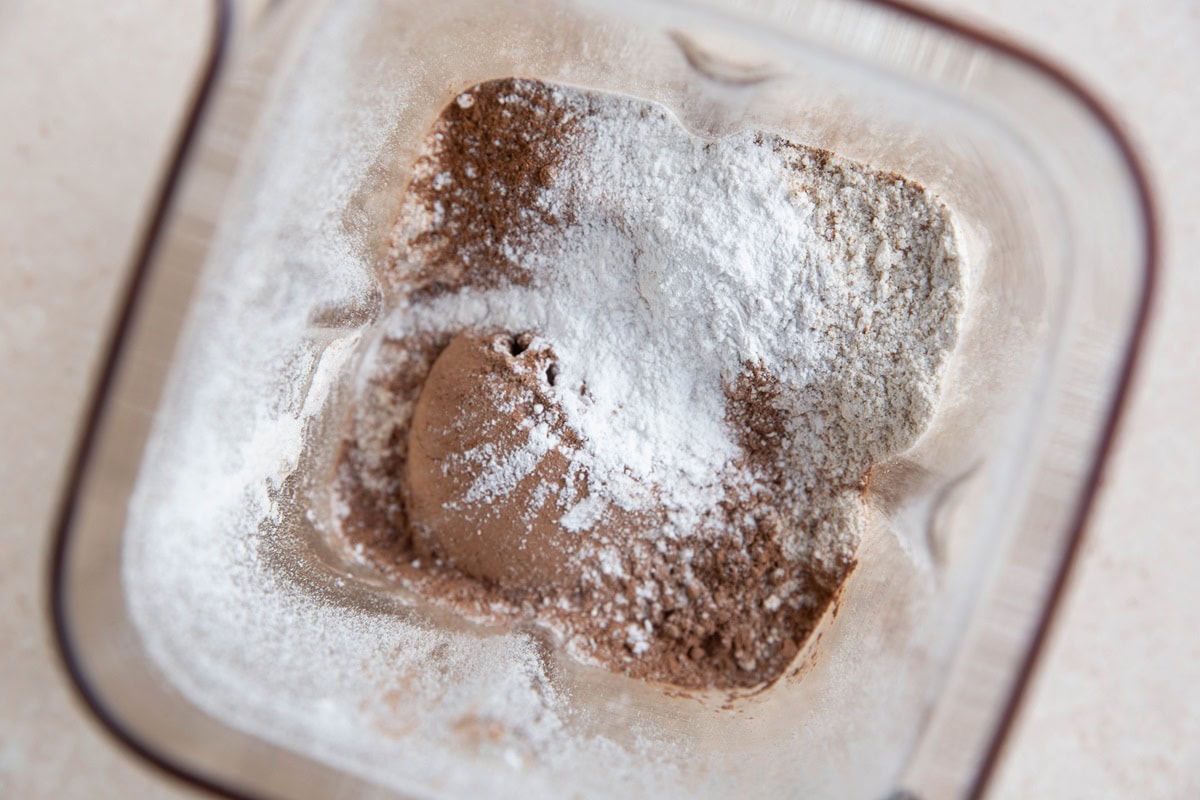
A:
[488,477]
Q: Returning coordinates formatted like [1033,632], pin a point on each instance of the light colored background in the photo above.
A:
[91,94]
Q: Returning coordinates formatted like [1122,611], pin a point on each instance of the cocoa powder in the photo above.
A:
[727,604]
[476,189]
[719,613]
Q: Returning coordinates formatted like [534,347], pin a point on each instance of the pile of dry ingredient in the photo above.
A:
[634,381]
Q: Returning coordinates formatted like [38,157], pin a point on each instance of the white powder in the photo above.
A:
[502,475]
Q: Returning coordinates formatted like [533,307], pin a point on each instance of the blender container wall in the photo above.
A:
[264,660]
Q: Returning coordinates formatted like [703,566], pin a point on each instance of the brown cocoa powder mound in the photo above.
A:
[474,411]
[725,608]
[476,189]
[727,613]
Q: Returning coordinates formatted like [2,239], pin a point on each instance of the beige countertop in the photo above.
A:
[91,95]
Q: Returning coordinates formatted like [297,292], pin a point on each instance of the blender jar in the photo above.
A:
[214,624]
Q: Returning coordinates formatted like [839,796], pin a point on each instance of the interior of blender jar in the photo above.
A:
[272,629]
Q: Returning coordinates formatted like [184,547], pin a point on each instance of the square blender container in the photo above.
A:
[217,629]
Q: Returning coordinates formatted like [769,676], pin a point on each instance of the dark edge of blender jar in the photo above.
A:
[218,47]
[218,50]
[1150,274]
